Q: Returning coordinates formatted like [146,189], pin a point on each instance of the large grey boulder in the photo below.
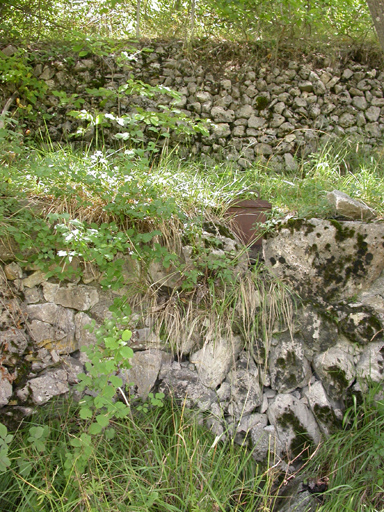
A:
[326,259]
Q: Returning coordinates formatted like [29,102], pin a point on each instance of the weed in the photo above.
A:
[352,459]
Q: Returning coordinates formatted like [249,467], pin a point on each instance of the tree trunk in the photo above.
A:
[192,20]
[376,8]
[138,5]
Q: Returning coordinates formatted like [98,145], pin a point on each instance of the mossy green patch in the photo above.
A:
[342,232]
[326,416]
[302,443]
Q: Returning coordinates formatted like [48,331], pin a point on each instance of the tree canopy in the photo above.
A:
[250,20]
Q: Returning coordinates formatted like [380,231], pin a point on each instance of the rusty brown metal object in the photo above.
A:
[245,215]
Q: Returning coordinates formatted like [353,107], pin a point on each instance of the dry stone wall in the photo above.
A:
[280,393]
[261,109]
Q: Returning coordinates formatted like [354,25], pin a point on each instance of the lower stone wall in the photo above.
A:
[281,391]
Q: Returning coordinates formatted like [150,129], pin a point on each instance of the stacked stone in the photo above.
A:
[268,112]
[281,392]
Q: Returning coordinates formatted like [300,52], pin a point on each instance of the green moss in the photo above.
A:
[326,416]
[301,444]
[289,360]
[339,380]
[261,102]
[342,232]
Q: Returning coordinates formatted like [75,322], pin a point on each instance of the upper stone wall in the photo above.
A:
[261,109]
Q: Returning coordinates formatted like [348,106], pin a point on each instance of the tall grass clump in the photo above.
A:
[352,460]
[159,461]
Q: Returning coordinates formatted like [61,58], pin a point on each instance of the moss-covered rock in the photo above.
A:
[326,258]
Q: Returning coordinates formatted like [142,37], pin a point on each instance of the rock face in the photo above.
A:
[326,258]
[259,110]
[279,394]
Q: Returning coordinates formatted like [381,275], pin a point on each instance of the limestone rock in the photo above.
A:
[337,371]
[222,130]
[144,339]
[256,122]
[52,327]
[73,367]
[13,271]
[246,393]
[9,50]
[358,323]
[185,385]
[326,258]
[373,297]
[5,387]
[13,341]
[221,115]
[317,329]
[295,424]
[145,370]
[161,276]
[322,408]
[288,367]
[79,297]
[347,207]
[372,114]
[371,364]
[265,441]
[34,279]
[215,359]
[33,295]
[83,335]
[51,383]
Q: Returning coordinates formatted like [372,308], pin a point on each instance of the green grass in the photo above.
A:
[162,461]
[94,178]
[353,459]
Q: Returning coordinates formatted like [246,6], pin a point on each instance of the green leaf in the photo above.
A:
[76,443]
[102,420]
[126,352]
[3,430]
[85,413]
[95,429]
[126,335]
[117,382]
[110,433]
